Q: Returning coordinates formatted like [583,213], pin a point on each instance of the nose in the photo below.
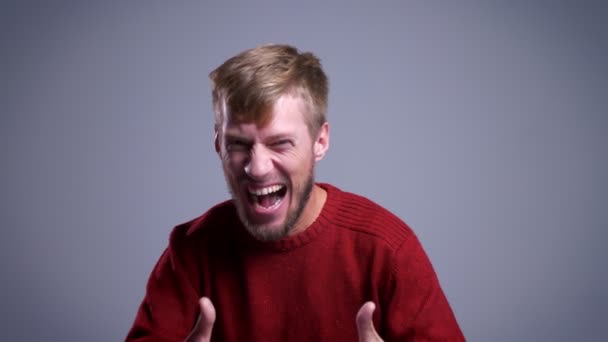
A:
[259,164]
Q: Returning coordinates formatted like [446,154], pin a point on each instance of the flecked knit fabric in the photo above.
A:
[306,287]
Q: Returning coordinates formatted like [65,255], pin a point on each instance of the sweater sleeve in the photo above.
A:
[170,306]
[417,308]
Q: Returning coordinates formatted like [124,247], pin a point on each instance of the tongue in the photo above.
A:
[268,200]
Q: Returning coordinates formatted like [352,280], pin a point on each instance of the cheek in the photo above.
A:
[297,166]
[233,161]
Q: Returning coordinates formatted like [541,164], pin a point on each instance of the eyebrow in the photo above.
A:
[234,136]
[280,136]
[274,137]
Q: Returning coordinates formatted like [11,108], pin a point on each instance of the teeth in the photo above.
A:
[266,190]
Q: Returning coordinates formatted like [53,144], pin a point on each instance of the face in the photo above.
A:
[269,169]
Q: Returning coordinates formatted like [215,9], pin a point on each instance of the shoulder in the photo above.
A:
[361,215]
[206,225]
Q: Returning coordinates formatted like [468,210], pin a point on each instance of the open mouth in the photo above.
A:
[268,197]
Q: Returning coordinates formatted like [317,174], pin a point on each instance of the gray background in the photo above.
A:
[483,125]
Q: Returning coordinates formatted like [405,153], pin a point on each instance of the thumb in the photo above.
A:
[204,324]
[365,325]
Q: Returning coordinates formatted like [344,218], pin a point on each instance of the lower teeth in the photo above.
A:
[268,203]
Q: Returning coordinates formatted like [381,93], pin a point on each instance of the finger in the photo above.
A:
[204,324]
[207,316]
[365,324]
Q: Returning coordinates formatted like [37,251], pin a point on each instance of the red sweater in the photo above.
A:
[306,287]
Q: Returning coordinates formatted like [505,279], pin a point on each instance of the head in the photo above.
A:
[270,105]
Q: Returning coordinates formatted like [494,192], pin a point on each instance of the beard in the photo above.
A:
[268,233]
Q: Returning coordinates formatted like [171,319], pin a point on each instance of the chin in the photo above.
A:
[267,233]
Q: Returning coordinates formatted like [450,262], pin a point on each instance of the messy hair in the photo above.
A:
[248,84]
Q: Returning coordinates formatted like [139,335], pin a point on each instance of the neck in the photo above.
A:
[313,208]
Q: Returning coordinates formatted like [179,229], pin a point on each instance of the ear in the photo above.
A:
[322,142]
[216,140]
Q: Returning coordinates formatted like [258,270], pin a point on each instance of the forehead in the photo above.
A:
[287,115]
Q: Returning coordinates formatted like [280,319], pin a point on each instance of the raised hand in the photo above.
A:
[204,324]
[365,325]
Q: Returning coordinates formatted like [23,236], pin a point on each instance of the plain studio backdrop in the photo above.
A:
[483,125]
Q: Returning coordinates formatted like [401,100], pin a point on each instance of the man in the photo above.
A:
[288,259]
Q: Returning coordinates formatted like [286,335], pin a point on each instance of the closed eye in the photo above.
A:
[237,145]
[283,143]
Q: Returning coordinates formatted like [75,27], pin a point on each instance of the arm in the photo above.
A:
[417,309]
[169,308]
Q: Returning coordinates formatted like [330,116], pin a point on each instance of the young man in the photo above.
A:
[288,259]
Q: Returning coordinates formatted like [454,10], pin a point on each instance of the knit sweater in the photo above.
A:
[306,287]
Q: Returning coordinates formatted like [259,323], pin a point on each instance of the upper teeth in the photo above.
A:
[265,191]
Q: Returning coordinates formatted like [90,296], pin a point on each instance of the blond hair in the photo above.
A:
[249,83]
